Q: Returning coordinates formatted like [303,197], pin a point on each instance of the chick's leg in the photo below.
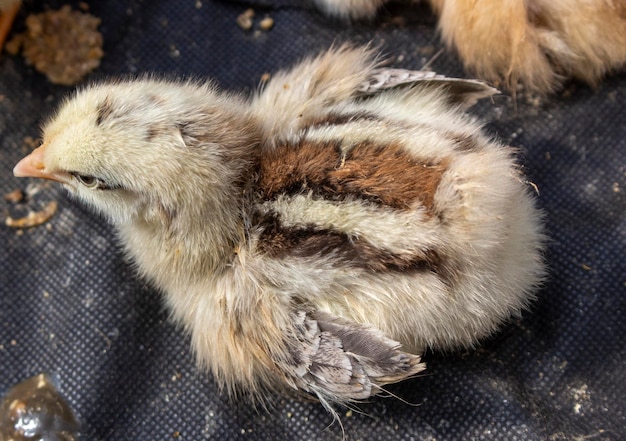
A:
[7,16]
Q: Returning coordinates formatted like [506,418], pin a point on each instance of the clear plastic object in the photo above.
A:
[33,410]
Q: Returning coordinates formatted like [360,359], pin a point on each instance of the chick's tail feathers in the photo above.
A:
[459,91]
[293,97]
[315,88]
[340,361]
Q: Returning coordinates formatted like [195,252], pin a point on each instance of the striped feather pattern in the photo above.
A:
[314,238]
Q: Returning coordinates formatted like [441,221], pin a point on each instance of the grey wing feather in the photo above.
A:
[342,361]
[465,92]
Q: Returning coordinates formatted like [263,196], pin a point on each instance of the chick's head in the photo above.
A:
[128,149]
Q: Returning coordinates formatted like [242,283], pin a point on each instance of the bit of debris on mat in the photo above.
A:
[15,196]
[245,21]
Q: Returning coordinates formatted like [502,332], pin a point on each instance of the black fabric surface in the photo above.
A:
[71,305]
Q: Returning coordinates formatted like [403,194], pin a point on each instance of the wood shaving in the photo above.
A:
[64,45]
[245,19]
[267,23]
[31,143]
[33,218]
[15,196]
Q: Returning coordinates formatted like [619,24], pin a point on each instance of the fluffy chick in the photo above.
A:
[535,42]
[315,237]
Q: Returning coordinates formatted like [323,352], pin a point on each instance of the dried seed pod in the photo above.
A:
[64,45]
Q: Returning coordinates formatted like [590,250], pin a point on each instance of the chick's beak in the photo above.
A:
[33,166]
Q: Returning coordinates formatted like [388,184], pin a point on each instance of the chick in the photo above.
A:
[8,11]
[318,236]
[538,43]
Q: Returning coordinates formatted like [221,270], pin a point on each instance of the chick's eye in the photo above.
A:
[90,181]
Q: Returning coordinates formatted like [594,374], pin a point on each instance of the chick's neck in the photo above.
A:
[184,240]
